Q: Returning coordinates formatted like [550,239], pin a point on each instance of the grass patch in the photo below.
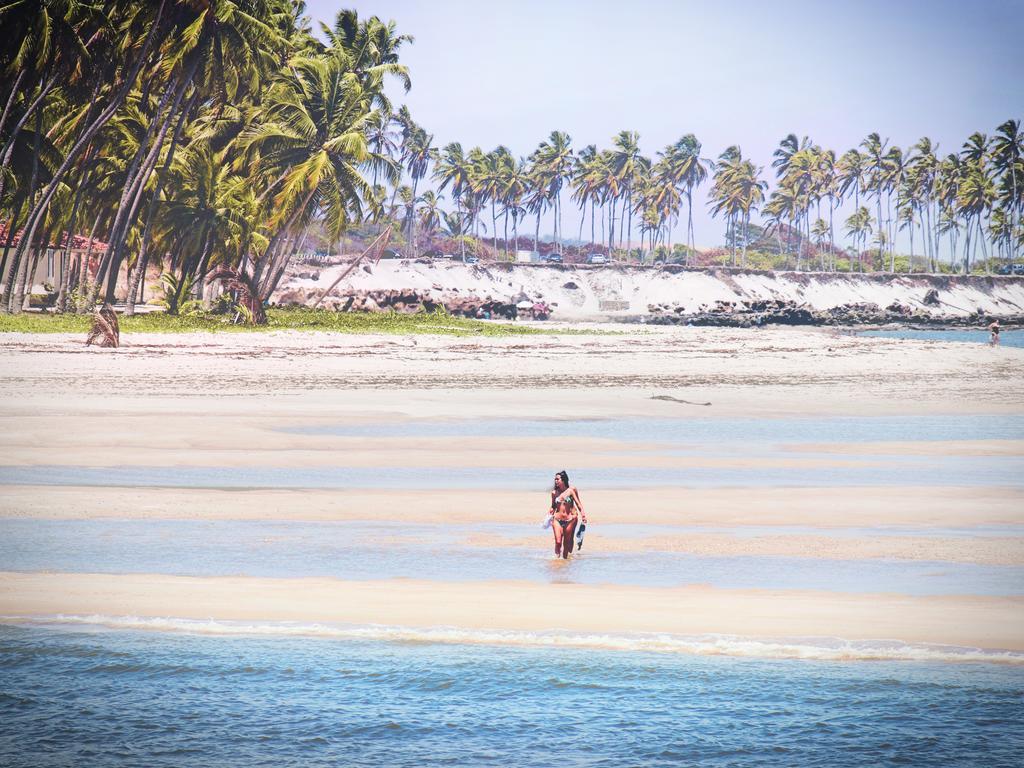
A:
[296,318]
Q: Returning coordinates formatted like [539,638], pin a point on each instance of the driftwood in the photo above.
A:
[670,399]
[104,331]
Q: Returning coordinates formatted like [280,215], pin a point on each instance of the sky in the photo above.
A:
[731,72]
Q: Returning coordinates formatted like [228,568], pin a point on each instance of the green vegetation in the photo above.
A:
[212,140]
[301,319]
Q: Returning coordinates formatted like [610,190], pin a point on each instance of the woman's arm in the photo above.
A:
[579,504]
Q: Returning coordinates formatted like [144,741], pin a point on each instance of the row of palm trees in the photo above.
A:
[975,193]
[970,200]
[203,137]
[197,136]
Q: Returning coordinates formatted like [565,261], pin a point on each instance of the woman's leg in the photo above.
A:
[568,538]
[556,529]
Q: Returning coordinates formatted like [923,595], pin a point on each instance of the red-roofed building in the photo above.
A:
[48,260]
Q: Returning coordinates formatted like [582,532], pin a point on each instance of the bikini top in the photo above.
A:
[568,501]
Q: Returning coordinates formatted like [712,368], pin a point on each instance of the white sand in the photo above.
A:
[220,399]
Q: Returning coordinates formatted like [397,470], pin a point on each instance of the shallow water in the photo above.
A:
[362,551]
[698,428]
[72,698]
[1014,338]
[852,471]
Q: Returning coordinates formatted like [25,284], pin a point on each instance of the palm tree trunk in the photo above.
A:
[142,177]
[8,151]
[21,257]
[12,227]
[593,224]
[40,208]
[84,277]
[69,235]
[10,99]
[142,261]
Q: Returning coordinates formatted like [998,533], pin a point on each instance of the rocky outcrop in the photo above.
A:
[746,314]
[405,302]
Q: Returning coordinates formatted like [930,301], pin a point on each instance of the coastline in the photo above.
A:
[269,402]
[980,622]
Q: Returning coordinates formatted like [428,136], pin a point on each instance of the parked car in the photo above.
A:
[597,258]
[1011,269]
[470,259]
[392,253]
[554,258]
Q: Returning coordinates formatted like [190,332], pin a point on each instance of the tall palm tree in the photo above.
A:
[314,141]
[1008,162]
[429,212]
[922,164]
[417,154]
[858,227]
[554,161]
[877,164]
[625,163]
[454,169]
[976,193]
[738,190]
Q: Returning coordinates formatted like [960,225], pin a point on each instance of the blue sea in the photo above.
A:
[122,690]
[1012,338]
[83,697]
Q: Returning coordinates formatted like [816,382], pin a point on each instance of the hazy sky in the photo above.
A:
[741,72]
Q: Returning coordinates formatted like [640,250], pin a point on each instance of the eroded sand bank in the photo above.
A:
[985,622]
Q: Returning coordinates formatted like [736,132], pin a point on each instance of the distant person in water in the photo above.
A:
[566,513]
[993,331]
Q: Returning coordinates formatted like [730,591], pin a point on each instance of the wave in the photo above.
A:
[810,648]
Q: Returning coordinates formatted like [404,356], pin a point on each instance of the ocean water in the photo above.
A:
[697,426]
[117,690]
[849,471]
[343,551]
[83,696]
[1013,338]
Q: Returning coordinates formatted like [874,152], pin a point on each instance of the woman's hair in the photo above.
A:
[565,477]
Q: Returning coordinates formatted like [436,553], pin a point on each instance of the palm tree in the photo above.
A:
[976,193]
[858,227]
[738,190]
[922,164]
[877,169]
[625,163]
[314,141]
[554,162]
[894,176]
[417,154]
[454,169]
[429,212]
[489,180]
[516,187]
[1008,162]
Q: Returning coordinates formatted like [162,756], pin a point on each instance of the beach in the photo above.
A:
[228,544]
[729,445]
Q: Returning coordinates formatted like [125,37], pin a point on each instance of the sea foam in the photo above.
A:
[811,648]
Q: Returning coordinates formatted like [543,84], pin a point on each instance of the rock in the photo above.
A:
[570,286]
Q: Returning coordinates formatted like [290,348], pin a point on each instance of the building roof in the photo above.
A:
[78,242]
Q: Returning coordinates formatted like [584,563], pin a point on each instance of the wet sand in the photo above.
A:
[222,400]
[985,622]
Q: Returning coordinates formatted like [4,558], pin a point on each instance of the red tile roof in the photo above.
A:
[78,242]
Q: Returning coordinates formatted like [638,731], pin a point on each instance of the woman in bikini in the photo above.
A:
[566,512]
